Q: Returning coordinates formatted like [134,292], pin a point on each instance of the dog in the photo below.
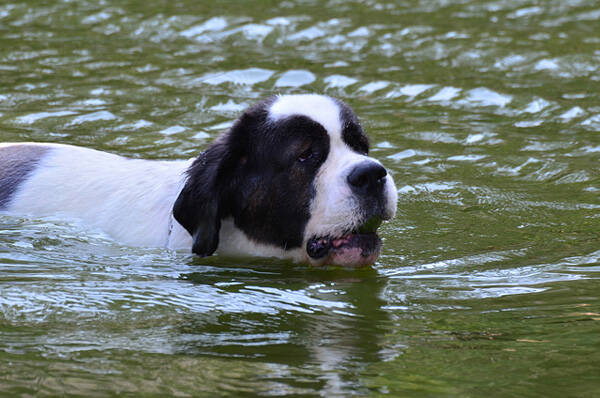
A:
[290,179]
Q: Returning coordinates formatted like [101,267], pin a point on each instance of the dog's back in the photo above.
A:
[130,199]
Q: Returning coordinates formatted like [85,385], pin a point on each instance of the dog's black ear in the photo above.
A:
[197,207]
[205,198]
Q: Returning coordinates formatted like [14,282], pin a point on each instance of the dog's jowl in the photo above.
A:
[291,178]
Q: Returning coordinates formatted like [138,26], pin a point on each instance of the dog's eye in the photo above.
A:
[306,155]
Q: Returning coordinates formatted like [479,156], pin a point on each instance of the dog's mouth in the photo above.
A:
[356,248]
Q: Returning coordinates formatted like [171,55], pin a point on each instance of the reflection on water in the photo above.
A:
[487,114]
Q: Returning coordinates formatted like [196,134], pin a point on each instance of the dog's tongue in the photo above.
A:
[338,242]
[355,250]
[352,250]
[351,257]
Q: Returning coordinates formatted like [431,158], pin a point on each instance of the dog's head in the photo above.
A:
[294,176]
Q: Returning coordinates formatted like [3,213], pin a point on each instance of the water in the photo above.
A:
[488,115]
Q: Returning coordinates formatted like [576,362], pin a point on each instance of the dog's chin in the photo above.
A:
[352,250]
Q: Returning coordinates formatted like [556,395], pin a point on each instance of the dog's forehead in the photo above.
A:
[322,109]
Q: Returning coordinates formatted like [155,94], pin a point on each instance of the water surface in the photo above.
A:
[486,112]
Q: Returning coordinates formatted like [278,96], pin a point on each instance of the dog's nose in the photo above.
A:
[367,178]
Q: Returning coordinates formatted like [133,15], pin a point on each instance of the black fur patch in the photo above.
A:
[16,164]
[352,132]
[276,186]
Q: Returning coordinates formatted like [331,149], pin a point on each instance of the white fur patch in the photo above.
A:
[319,108]
[130,199]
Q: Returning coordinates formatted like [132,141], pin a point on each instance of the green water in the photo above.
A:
[488,116]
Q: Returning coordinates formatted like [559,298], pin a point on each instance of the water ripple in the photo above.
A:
[488,124]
